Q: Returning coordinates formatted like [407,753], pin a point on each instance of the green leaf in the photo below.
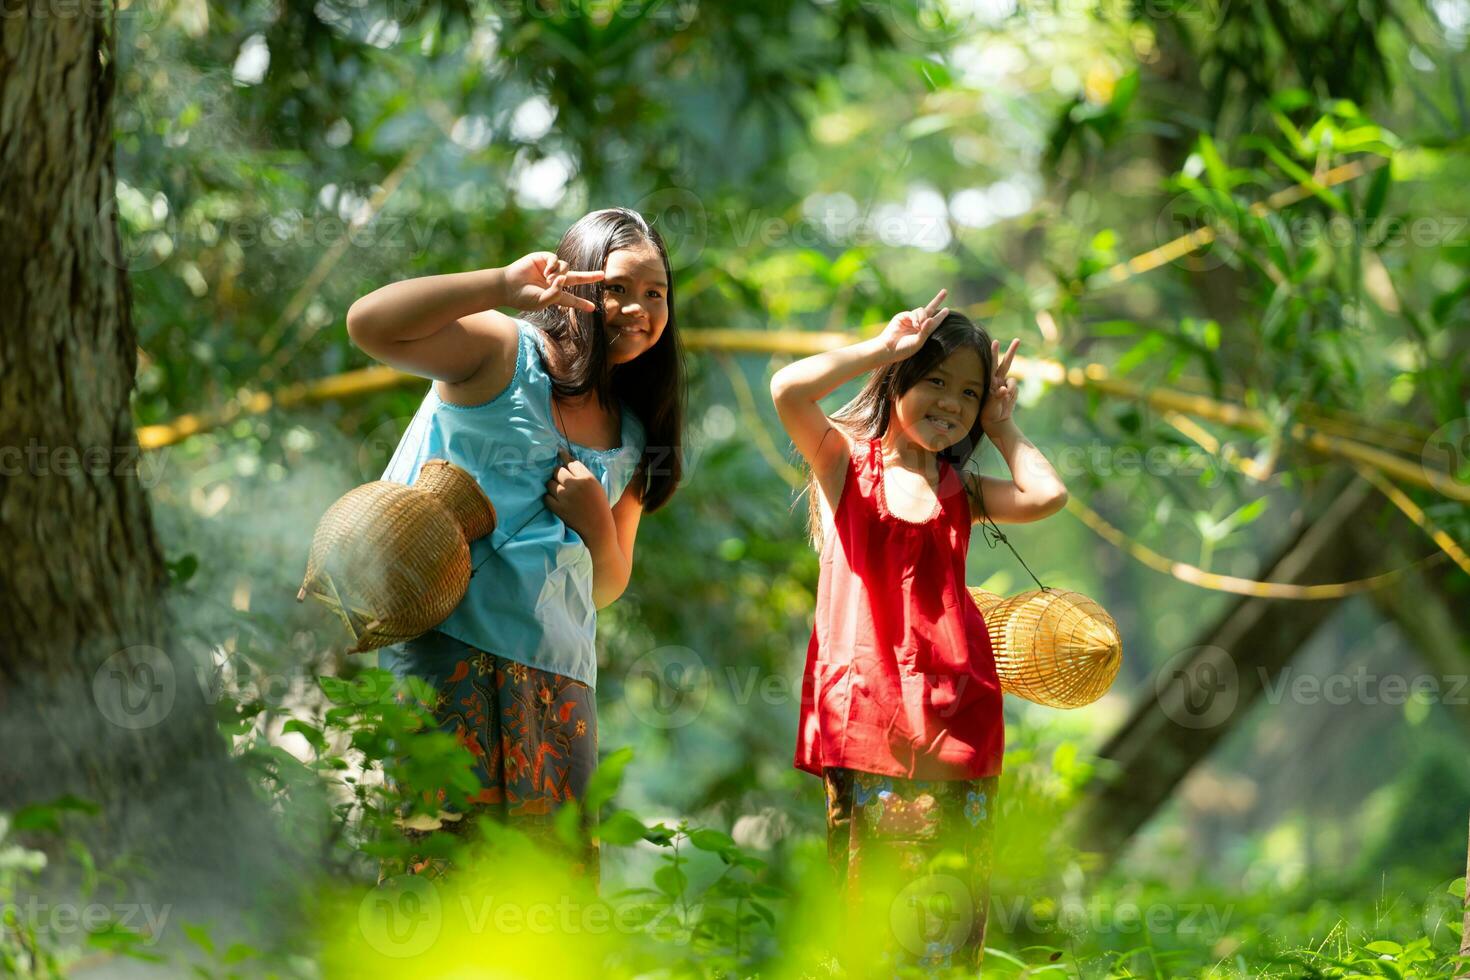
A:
[1215,166]
[46,816]
[1138,354]
[620,828]
[1290,99]
[1295,171]
[764,913]
[1004,957]
[671,880]
[200,935]
[568,823]
[1377,195]
[603,785]
[1298,145]
[183,569]
[1115,328]
[926,125]
[1124,92]
[659,834]
[334,688]
[238,952]
[1388,969]
[709,839]
[311,733]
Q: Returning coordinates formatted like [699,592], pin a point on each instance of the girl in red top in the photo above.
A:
[901,706]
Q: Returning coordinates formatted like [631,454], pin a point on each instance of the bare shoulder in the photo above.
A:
[830,466]
[499,337]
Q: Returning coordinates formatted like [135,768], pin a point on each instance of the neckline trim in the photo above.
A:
[623,412]
[934,515]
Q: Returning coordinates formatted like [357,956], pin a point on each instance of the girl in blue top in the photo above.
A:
[570,419]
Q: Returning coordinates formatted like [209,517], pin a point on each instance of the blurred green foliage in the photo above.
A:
[817,165]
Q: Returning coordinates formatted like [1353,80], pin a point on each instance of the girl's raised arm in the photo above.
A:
[446,327]
[797,388]
[1035,490]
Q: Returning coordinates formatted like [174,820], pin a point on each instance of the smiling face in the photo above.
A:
[635,304]
[941,407]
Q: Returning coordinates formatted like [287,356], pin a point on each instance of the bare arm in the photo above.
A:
[612,550]
[1034,491]
[577,497]
[446,327]
[797,388]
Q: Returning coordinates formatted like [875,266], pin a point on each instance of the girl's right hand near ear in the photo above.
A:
[908,330]
[538,280]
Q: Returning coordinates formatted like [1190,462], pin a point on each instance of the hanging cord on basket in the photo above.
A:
[993,534]
[567,444]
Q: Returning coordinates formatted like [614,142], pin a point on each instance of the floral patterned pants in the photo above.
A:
[916,855]
[533,735]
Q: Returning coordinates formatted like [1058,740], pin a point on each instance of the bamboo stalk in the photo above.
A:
[1094,377]
[1186,243]
[1195,575]
[1401,500]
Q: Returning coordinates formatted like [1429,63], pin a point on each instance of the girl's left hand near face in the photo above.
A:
[1003,389]
[576,496]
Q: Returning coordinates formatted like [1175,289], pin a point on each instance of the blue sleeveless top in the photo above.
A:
[530,598]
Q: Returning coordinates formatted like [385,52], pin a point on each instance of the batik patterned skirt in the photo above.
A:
[533,735]
[915,855]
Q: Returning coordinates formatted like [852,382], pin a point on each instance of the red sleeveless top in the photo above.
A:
[900,677]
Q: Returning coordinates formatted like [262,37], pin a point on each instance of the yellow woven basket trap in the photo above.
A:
[1056,648]
[392,560]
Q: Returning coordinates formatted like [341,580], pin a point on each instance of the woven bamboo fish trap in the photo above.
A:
[1056,648]
[392,561]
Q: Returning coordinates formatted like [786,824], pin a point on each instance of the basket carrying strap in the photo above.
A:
[567,445]
[992,534]
[534,514]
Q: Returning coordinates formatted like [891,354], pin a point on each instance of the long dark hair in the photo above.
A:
[868,414]
[652,384]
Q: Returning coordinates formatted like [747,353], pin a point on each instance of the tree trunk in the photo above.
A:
[1196,699]
[1465,926]
[1430,609]
[94,700]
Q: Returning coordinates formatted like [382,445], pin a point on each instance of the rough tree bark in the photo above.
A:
[94,700]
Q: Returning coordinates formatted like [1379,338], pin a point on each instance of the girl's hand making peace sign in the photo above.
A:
[1003,389]
[907,331]
[538,280]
